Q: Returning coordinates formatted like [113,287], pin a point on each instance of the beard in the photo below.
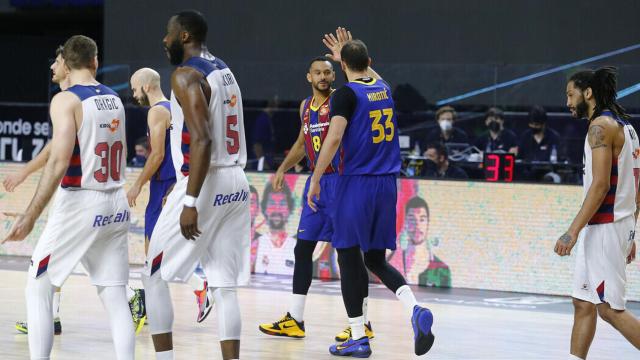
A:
[144,99]
[322,87]
[276,221]
[176,52]
[582,110]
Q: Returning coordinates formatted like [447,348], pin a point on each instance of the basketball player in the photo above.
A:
[206,217]
[89,218]
[606,221]
[313,226]
[60,76]
[158,169]
[363,120]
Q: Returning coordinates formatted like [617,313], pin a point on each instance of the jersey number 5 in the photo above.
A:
[110,161]
[379,131]
[233,140]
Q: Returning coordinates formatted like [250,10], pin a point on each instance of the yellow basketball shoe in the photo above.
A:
[287,326]
[346,333]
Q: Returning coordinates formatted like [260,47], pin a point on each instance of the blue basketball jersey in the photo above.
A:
[370,142]
[315,127]
[166,170]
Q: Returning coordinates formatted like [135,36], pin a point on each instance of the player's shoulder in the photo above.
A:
[184,76]
[159,110]
[344,90]
[604,123]
[65,98]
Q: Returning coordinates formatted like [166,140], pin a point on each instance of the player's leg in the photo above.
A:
[292,323]
[229,323]
[623,320]
[618,238]
[383,237]
[107,262]
[39,295]
[226,258]
[22,326]
[160,314]
[114,300]
[584,327]
[364,288]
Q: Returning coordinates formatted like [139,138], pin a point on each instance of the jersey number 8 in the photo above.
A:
[379,131]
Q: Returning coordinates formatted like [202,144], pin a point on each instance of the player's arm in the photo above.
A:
[187,87]
[62,143]
[334,44]
[12,181]
[600,137]
[295,155]
[157,120]
[343,102]
[330,145]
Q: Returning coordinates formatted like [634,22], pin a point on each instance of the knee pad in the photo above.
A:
[228,309]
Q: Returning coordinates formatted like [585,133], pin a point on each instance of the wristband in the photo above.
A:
[190,201]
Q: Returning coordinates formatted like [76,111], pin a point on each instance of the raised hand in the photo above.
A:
[335,42]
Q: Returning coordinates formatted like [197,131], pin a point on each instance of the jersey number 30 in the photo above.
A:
[382,132]
[110,161]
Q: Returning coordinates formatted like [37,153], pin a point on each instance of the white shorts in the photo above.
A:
[223,248]
[600,275]
[85,226]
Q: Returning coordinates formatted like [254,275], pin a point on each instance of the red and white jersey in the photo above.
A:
[226,122]
[620,201]
[99,155]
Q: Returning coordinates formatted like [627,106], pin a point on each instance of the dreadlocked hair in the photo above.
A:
[602,82]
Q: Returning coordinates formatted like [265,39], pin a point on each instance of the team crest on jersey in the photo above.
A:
[636,154]
[113,127]
[231,102]
[324,110]
[305,128]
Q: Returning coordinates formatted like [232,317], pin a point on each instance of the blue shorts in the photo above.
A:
[365,212]
[158,191]
[318,226]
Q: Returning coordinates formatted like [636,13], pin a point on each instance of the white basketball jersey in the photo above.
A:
[226,122]
[99,156]
[620,201]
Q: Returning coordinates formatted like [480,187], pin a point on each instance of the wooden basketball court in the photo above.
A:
[467,326]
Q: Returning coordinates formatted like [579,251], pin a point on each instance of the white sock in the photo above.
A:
[130,293]
[296,310]
[365,307]
[573,357]
[406,297]
[56,305]
[164,355]
[196,282]
[114,300]
[357,327]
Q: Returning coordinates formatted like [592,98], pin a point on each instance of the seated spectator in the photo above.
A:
[497,139]
[142,151]
[437,164]
[446,132]
[539,143]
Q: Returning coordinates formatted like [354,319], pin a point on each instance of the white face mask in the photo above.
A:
[446,125]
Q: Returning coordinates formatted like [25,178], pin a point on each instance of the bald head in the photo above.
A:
[146,77]
[145,82]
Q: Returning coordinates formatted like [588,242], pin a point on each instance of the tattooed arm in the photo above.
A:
[602,132]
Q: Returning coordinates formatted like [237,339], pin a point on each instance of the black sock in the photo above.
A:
[377,263]
[303,268]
